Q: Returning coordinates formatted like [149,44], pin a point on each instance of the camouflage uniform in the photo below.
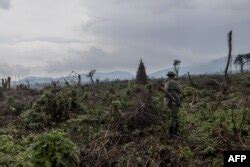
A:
[174,88]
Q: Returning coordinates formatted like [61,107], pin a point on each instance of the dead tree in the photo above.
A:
[79,80]
[176,65]
[8,83]
[28,84]
[90,75]
[2,82]
[229,53]
[74,78]
[241,60]
[5,83]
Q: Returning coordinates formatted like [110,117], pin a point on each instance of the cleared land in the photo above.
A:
[124,124]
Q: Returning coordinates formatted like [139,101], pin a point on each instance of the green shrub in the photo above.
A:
[14,106]
[243,79]
[53,149]
[8,150]
[209,151]
[188,91]
[52,107]
[6,144]
[83,128]
[34,120]
[186,153]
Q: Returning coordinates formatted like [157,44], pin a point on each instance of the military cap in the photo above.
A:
[170,74]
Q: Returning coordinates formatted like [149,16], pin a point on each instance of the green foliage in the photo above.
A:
[35,119]
[15,106]
[116,105]
[214,130]
[48,149]
[53,149]
[186,153]
[52,107]
[188,91]
[124,124]
[83,128]
[212,84]
[209,151]
[243,79]
[8,150]
[7,144]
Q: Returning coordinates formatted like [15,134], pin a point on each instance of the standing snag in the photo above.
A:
[6,83]
[79,80]
[3,83]
[141,76]
[176,67]
[229,53]
[90,75]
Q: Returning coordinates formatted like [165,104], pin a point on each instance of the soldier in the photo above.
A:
[173,101]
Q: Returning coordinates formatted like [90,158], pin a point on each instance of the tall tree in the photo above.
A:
[141,76]
[176,67]
[241,60]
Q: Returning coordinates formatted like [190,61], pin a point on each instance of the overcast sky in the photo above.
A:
[54,37]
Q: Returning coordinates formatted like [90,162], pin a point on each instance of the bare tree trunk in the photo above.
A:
[229,53]
[176,71]
[241,68]
[79,80]
[2,82]
[5,83]
[92,80]
[9,83]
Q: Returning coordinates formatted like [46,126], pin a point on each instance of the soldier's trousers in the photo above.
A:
[174,121]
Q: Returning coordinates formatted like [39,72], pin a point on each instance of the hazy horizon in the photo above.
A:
[52,38]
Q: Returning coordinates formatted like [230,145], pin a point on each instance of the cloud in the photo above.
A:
[122,59]
[57,40]
[80,61]
[193,31]
[5,4]
[196,25]
[113,35]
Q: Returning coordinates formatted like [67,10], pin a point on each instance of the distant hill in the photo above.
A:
[101,76]
[34,80]
[121,75]
[211,67]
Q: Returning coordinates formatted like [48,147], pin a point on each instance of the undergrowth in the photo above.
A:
[124,124]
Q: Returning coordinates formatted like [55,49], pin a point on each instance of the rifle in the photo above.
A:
[170,97]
